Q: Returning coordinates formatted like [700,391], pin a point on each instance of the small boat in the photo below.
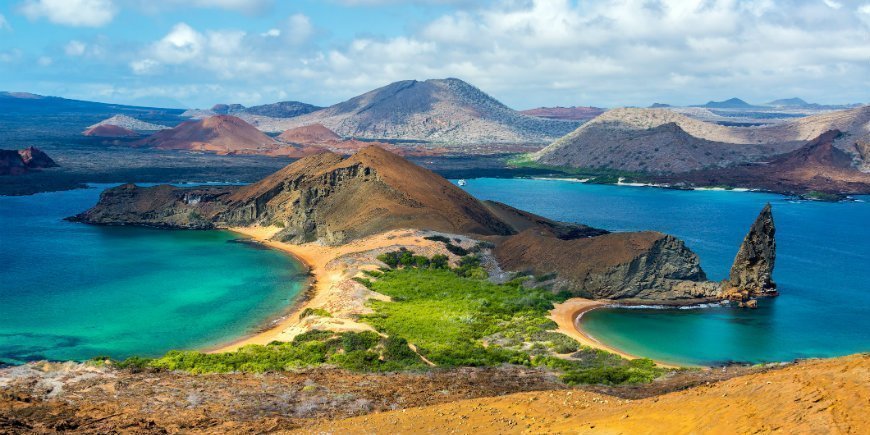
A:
[461,182]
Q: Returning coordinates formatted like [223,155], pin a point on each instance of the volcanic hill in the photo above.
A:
[447,111]
[818,166]
[662,140]
[309,135]
[222,134]
[109,130]
[128,123]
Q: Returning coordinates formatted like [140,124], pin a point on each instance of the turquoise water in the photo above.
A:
[822,269]
[75,291]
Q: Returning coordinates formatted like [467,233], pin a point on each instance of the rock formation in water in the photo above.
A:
[18,162]
[752,272]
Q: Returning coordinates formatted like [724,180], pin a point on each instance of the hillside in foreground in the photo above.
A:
[817,396]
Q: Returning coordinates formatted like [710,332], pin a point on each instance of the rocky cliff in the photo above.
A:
[640,266]
[752,272]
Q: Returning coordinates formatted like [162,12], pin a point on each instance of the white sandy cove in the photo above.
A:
[333,289]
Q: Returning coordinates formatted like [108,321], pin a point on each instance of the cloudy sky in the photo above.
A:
[527,53]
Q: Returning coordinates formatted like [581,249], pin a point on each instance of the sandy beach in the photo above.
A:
[332,287]
[566,314]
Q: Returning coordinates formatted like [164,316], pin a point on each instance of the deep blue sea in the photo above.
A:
[76,291]
[822,269]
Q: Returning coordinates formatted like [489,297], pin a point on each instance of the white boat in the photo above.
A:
[461,182]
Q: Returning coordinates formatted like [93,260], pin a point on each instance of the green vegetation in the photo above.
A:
[453,316]
[458,318]
[357,351]
[822,196]
[314,312]
[594,175]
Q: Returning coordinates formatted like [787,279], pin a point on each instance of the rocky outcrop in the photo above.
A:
[639,266]
[22,161]
[752,272]
[162,206]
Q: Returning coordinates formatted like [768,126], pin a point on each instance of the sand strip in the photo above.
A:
[566,316]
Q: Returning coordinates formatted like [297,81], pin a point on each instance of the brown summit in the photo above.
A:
[221,133]
[336,199]
[314,134]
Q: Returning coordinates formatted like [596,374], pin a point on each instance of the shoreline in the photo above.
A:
[290,318]
[567,316]
[330,285]
[322,281]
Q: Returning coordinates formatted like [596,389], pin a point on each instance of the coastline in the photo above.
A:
[567,316]
[330,285]
[325,288]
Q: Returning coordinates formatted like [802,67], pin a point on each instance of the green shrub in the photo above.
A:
[314,312]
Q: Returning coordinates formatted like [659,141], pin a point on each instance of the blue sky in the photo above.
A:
[527,53]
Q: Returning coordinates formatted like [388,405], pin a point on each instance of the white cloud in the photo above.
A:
[298,29]
[863,13]
[833,4]
[272,33]
[77,13]
[44,61]
[75,48]
[4,25]
[549,52]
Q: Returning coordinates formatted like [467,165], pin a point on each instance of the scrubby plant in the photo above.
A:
[314,312]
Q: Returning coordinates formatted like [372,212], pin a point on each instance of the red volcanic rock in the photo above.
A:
[108,130]
[19,162]
[222,134]
[817,166]
[309,135]
[571,113]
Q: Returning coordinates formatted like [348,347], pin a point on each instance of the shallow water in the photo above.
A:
[75,291]
[822,269]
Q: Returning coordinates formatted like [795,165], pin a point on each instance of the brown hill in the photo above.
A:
[22,161]
[108,130]
[221,134]
[816,396]
[570,113]
[817,166]
[333,199]
[314,134]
